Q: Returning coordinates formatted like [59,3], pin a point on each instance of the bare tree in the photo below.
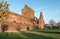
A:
[52,22]
[4,10]
[58,24]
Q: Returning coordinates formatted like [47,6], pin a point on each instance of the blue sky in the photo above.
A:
[50,8]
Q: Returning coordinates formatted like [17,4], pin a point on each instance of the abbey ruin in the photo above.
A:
[13,22]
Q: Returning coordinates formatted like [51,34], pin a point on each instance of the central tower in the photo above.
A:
[28,12]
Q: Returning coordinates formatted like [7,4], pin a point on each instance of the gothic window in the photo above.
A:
[37,22]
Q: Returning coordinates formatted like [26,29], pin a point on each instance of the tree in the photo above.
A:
[52,22]
[3,10]
[58,24]
[4,5]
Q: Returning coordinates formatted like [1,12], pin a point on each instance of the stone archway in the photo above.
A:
[27,28]
[4,27]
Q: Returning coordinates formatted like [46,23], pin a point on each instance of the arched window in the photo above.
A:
[37,22]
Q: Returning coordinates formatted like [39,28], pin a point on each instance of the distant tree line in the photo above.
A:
[52,24]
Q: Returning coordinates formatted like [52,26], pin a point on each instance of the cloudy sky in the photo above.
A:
[50,8]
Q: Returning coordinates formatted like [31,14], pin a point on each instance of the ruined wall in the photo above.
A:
[17,22]
[12,22]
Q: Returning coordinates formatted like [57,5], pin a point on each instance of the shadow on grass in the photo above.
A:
[46,31]
[50,32]
[36,36]
[6,35]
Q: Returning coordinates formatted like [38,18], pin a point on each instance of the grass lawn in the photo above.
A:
[33,34]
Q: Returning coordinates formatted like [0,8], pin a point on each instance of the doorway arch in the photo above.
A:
[27,28]
[4,27]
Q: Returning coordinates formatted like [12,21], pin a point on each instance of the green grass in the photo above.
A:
[33,34]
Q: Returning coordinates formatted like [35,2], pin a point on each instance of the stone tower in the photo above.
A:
[28,12]
[41,21]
